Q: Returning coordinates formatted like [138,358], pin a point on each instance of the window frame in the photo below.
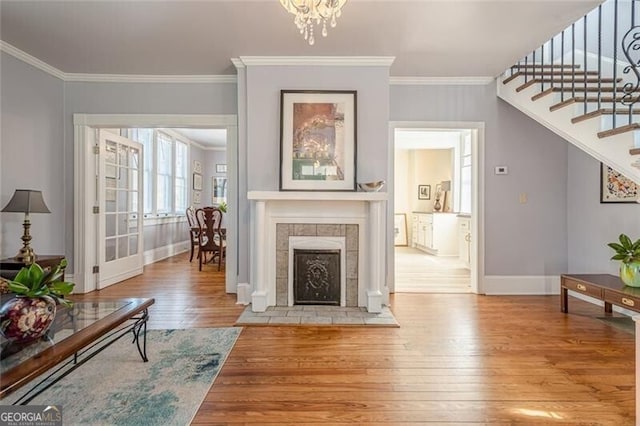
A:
[174,212]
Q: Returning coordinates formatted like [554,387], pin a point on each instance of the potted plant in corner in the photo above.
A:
[628,253]
[29,314]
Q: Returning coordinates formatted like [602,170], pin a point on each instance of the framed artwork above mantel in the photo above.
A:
[317,140]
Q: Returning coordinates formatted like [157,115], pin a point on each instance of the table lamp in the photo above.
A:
[26,201]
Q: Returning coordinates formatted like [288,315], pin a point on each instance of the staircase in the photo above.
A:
[574,89]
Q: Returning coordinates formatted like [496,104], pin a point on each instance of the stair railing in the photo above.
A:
[600,71]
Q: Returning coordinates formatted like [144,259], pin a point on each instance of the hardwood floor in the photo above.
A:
[456,358]
[419,272]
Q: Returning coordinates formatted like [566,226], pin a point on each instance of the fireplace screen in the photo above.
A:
[316,277]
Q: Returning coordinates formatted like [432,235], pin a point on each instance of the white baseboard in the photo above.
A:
[244,294]
[521,284]
[157,254]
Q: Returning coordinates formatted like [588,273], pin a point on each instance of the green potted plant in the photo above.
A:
[29,315]
[628,253]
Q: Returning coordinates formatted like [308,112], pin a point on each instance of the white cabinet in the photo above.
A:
[464,240]
[436,233]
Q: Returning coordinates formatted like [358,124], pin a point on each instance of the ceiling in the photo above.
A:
[448,38]
[207,138]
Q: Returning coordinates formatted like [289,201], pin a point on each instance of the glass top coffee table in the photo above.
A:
[76,335]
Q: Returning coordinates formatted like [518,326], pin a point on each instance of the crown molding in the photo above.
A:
[345,61]
[237,62]
[440,81]
[31,60]
[242,62]
[135,78]
[112,78]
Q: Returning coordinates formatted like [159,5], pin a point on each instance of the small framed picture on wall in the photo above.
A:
[197,166]
[424,192]
[221,168]
[617,188]
[197,182]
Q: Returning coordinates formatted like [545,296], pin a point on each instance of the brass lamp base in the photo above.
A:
[26,256]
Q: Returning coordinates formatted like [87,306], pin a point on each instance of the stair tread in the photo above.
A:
[549,73]
[603,111]
[579,99]
[549,66]
[618,130]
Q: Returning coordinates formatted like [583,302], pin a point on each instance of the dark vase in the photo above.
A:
[24,319]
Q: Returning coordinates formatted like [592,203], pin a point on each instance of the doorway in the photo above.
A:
[436,207]
[85,224]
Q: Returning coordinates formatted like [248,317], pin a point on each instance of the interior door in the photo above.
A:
[119,209]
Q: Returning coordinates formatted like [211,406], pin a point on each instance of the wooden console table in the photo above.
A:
[9,267]
[605,287]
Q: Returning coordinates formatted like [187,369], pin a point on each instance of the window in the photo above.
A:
[165,173]
[181,179]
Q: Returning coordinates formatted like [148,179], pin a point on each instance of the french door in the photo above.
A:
[120,253]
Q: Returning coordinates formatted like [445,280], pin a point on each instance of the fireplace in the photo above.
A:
[351,222]
[308,248]
[316,277]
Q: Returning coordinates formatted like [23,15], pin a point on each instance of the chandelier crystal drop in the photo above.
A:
[314,12]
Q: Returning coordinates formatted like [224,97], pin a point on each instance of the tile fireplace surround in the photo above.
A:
[354,221]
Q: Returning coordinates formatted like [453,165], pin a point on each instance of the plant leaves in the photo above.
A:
[36,273]
[626,241]
[617,247]
[17,287]
[619,257]
[23,276]
[61,288]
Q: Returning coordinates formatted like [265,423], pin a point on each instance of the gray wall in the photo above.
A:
[137,98]
[592,225]
[32,155]
[263,113]
[520,239]
[211,159]
[161,235]
[548,235]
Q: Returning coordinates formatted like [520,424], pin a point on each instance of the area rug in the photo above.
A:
[117,388]
[621,323]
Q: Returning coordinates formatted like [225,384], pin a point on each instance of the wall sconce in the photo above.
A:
[26,201]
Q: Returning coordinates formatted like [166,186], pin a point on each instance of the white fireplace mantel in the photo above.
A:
[316,196]
[367,209]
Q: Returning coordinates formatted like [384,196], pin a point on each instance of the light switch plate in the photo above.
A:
[502,170]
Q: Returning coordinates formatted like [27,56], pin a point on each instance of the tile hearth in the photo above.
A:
[318,315]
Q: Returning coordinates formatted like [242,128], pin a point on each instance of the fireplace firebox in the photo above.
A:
[316,277]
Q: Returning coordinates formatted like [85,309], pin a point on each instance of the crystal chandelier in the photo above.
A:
[308,11]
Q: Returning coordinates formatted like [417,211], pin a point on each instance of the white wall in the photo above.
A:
[432,166]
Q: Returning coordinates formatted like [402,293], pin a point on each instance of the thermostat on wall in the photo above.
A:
[502,170]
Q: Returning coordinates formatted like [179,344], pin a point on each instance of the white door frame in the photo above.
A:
[84,160]
[477,197]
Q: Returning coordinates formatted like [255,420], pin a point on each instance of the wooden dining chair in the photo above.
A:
[194,230]
[210,238]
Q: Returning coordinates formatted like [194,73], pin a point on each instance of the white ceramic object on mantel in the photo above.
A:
[371,186]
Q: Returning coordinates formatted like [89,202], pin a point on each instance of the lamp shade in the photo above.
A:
[445,185]
[26,201]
